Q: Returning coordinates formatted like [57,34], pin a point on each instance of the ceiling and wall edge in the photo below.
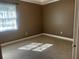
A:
[48,2]
[30,1]
[40,2]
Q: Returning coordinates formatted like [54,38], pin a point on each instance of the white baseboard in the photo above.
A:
[50,35]
[11,42]
[64,38]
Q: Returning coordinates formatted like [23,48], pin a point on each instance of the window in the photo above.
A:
[8,18]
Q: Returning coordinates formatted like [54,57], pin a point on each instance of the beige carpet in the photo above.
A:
[41,47]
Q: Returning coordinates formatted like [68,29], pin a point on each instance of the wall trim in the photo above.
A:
[56,36]
[15,41]
[33,36]
[48,2]
[40,2]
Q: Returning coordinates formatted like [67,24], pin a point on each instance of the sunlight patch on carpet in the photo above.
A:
[39,47]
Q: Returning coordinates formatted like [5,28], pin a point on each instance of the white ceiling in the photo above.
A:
[42,2]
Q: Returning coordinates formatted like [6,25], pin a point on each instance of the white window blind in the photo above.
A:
[8,18]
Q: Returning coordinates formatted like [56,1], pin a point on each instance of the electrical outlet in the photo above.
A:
[61,32]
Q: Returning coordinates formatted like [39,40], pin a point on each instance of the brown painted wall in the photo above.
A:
[56,17]
[29,22]
[59,17]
